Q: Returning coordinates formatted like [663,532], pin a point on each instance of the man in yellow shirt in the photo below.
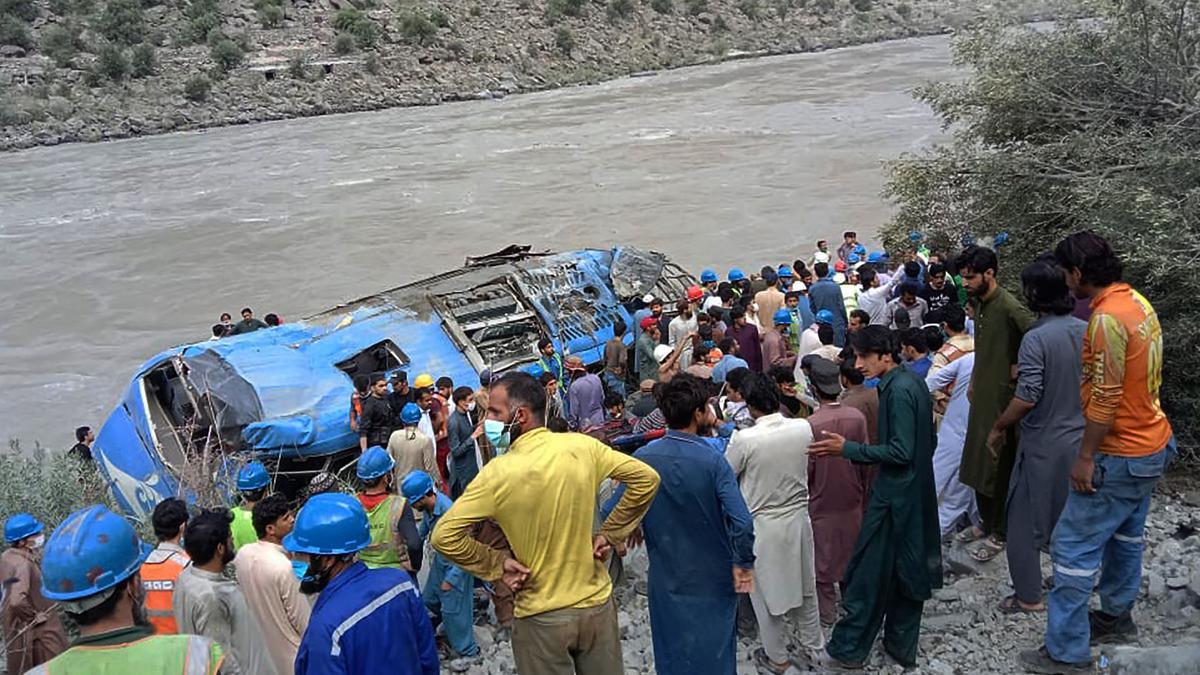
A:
[542,493]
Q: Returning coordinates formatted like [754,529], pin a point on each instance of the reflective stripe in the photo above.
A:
[1127,539]
[1074,572]
[159,612]
[199,654]
[363,613]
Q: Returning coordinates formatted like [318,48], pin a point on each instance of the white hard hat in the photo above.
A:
[661,353]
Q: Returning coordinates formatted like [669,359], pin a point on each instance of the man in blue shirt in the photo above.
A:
[825,294]
[916,352]
[729,360]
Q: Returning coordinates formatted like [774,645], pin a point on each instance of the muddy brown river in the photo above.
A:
[111,252]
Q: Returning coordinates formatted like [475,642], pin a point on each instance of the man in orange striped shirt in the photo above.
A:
[1127,444]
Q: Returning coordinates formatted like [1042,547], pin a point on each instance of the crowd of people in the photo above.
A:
[793,448]
[226,327]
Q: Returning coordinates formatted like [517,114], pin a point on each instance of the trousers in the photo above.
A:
[571,641]
[454,607]
[488,533]
[772,629]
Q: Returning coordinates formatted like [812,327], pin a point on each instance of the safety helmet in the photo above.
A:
[876,257]
[708,277]
[661,352]
[415,485]
[410,413]
[783,317]
[839,266]
[695,293]
[20,526]
[785,272]
[253,476]
[330,523]
[736,274]
[374,463]
[92,550]
[485,377]
[825,316]
[915,236]
[423,381]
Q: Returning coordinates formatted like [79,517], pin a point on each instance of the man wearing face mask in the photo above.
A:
[464,451]
[547,483]
[364,620]
[206,603]
[90,569]
[32,629]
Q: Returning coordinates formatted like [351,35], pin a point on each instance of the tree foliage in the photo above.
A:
[1090,126]
[122,21]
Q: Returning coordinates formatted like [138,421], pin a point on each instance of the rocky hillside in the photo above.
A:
[89,70]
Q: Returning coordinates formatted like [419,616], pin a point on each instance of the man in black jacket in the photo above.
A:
[377,419]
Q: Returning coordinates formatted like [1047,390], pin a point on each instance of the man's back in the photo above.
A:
[273,595]
[208,604]
[769,302]
[866,401]
[834,482]
[770,459]
[412,450]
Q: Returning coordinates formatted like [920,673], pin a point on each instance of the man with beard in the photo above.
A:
[938,293]
[365,620]
[377,419]
[207,603]
[30,625]
[91,570]
[749,342]
[1000,322]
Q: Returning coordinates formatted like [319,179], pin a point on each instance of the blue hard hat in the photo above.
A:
[785,271]
[1000,239]
[736,274]
[415,485]
[330,523]
[915,236]
[708,277]
[92,550]
[19,526]
[783,316]
[825,316]
[876,256]
[853,259]
[410,413]
[374,463]
[253,476]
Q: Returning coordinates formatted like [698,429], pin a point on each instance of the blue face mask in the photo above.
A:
[497,434]
[300,569]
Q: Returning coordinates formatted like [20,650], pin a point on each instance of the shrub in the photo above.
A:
[417,29]
[477,11]
[904,10]
[719,25]
[14,31]
[695,7]
[556,9]
[564,40]
[270,16]
[371,63]
[50,487]
[142,61]
[861,5]
[197,88]
[227,54]
[22,9]
[122,21]
[346,18]
[440,19]
[458,49]
[113,63]
[620,9]
[60,44]
[198,28]
[750,9]
[343,44]
[296,68]
[661,6]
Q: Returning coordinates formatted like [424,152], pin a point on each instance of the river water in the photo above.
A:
[112,252]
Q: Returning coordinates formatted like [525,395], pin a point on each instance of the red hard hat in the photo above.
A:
[694,293]
[649,322]
[840,266]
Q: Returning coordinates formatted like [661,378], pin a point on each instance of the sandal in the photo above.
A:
[1011,605]
[767,666]
[989,549]
[969,534]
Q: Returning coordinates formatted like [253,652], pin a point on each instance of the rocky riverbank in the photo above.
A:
[91,70]
[962,631]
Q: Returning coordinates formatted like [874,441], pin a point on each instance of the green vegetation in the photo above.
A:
[696,7]
[904,9]
[60,43]
[113,63]
[358,25]
[25,10]
[371,63]
[417,28]
[197,88]
[270,16]
[556,9]
[440,19]
[204,17]
[343,44]
[661,6]
[564,41]
[861,5]
[619,10]
[458,49]
[296,68]
[1092,126]
[750,9]
[227,54]
[122,21]
[719,25]
[50,487]
[142,61]
[14,31]
[477,11]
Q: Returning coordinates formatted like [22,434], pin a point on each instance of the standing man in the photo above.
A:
[585,396]
[33,633]
[775,348]
[769,300]
[875,295]
[82,450]
[207,603]
[855,394]
[166,561]
[644,362]
[269,584]
[849,245]
[1000,323]
[1127,445]
[409,447]
[394,540]
[90,569]
[700,539]
[802,317]
[681,329]
[252,483]
[954,498]
[770,460]
[248,324]
[464,453]
[375,423]
[364,620]
[825,294]
[958,341]
[402,394]
[909,302]
[749,342]
[565,618]
[837,495]
[549,360]
[897,559]
[616,360]
[938,293]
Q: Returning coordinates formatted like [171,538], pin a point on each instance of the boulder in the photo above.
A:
[1180,659]
[12,52]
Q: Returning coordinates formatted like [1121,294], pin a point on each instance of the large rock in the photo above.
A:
[1179,659]
[12,51]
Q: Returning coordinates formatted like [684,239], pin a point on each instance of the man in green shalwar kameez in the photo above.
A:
[897,560]
[1001,320]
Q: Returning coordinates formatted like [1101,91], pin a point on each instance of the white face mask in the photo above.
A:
[39,541]
[471,406]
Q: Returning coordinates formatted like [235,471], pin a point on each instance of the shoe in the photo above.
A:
[1039,661]
[1108,629]
[824,663]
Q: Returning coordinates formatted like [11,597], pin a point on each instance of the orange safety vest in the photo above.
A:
[159,573]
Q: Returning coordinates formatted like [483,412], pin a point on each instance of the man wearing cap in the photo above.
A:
[837,494]
[643,357]
[364,620]
[824,294]
[252,483]
[409,447]
[401,395]
[90,569]
[585,397]
[712,287]
[32,631]
[394,539]
[809,340]
[775,348]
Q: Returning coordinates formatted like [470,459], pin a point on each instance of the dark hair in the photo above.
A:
[760,393]
[168,515]
[782,375]
[619,328]
[205,532]
[400,376]
[558,425]
[680,398]
[825,333]
[910,287]
[933,338]
[546,378]
[850,372]
[737,313]
[361,383]
[935,269]
[376,378]
[270,509]
[735,378]
[461,394]
[866,275]
[1092,255]
[978,259]
[901,318]
[915,338]
[612,398]
[863,316]
[81,433]
[218,330]
[255,494]
[955,317]
[792,295]
[912,269]
[876,340]
[444,382]
[104,609]
[1045,288]
[726,345]
[770,276]
[821,270]
[271,319]
[933,316]
[523,392]
[849,233]
[226,315]
[247,310]
[546,342]
[725,293]
[681,305]
[653,302]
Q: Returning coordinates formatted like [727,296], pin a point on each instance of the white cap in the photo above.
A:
[661,353]
[798,285]
[648,298]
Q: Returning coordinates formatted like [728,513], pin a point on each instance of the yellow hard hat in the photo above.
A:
[423,381]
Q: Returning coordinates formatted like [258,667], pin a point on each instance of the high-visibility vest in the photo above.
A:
[166,654]
[382,552]
[159,573]
[242,527]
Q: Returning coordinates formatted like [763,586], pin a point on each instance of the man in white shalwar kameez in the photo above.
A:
[954,498]
[770,460]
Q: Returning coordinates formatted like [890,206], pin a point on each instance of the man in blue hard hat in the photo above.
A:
[365,620]
[394,540]
[410,447]
[786,277]
[90,568]
[31,626]
[775,347]
[252,483]
[710,281]
[448,591]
